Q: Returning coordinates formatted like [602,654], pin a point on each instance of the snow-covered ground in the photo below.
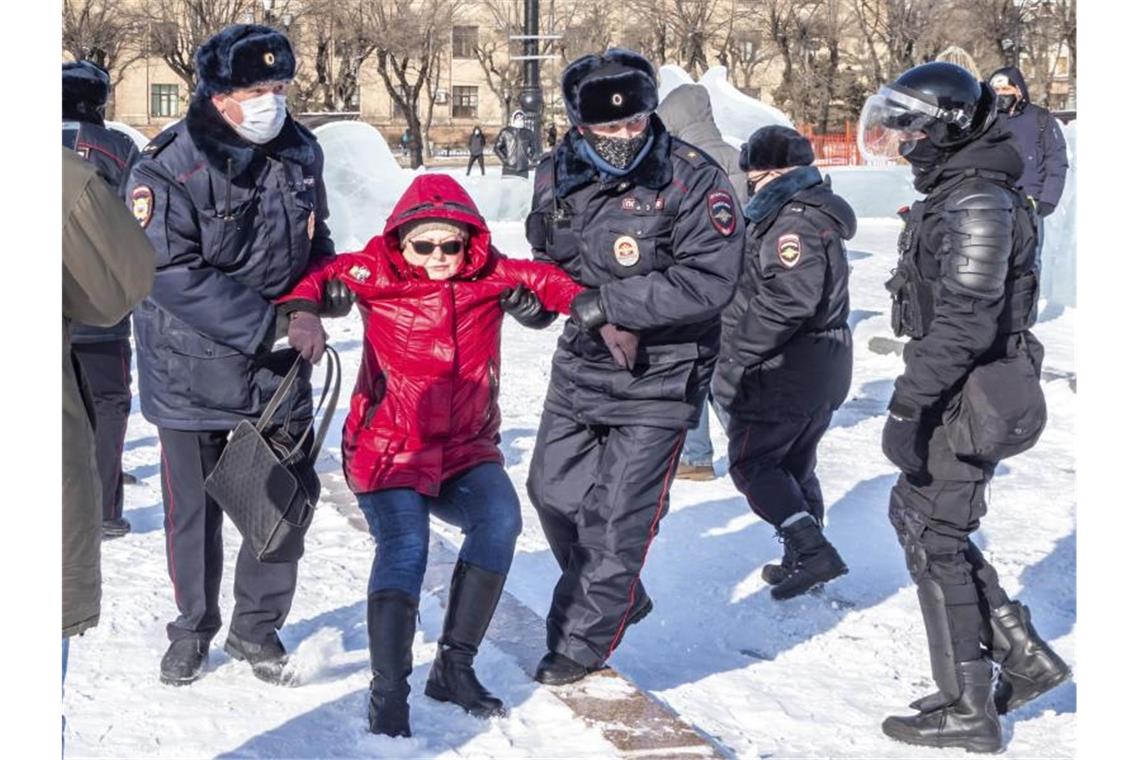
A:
[810,677]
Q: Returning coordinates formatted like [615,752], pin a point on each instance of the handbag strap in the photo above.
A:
[279,395]
[330,410]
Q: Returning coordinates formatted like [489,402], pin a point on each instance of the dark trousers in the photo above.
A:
[471,162]
[106,367]
[263,591]
[601,493]
[482,501]
[773,464]
[934,516]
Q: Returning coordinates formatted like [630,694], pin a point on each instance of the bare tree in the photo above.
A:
[179,27]
[103,32]
[337,36]
[410,40]
[492,49]
[899,34]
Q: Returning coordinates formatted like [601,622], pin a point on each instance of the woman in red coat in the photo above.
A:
[422,432]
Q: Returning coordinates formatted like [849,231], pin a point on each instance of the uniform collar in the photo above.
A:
[573,170]
[771,198]
[221,144]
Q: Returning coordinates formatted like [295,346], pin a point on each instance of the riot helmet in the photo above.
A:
[938,101]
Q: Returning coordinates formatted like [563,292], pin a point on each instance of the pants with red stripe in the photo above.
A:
[600,492]
[263,591]
[106,367]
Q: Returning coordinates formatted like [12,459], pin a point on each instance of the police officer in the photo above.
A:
[233,200]
[104,353]
[650,226]
[785,355]
[965,293]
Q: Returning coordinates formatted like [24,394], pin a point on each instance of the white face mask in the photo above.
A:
[262,118]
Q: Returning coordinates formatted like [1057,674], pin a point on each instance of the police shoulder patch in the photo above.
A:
[142,204]
[160,141]
[722,212]
[788,249]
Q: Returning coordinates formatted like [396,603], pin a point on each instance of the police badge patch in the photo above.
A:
[788,249]
[626,251]
[722,212]
[142,204]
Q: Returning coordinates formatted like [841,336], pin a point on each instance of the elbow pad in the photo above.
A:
[979,239]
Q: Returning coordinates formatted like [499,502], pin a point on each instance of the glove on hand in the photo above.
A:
[1045,208]
[903,442]
[338,299]
[522,304]
[621,343]
[586,309]
[307,336]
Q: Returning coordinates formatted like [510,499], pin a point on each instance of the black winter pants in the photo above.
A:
[601,493]
[934,517]
[773,464]
[263,591]
[471,162]
[106,367]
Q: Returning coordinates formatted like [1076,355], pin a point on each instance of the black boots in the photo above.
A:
[813,559]
[183,661]
[967,719]
[1029,667]
[116,528]
[471,603]
[268,660]
[391,629]
[558,670]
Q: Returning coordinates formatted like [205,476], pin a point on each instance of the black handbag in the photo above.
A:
[267,482]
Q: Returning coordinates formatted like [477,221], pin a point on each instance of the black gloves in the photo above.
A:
[586,309]
[306,335]
[1044,208]
[903,439]
[621,343]
[338,299]
[522,304]
[726,381]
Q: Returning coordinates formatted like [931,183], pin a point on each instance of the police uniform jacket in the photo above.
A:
[234,226]
[111,153]
[786,347]
[663,244]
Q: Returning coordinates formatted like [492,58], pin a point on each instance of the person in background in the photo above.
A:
[108,267]
[475,144]
[785,356]
[687,114]
[103,352]
[551,136]
[233,200]
[422,433]
[516,147]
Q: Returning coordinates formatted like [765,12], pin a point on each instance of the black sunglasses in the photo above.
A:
[426,247]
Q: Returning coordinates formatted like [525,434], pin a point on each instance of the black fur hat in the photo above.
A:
[243,55]
[775,147]
[86,88]
[598,89]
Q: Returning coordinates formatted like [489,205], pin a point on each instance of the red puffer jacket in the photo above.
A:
[425,407]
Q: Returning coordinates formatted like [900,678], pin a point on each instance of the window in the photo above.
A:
[164,100]
[463,41]
[464,102]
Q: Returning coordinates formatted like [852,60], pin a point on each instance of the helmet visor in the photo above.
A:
[890,125]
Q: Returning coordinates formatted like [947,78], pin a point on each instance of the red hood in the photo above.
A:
[435,196]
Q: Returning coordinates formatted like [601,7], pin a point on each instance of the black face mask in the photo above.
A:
[1005,103]
[924,156]
[618,152]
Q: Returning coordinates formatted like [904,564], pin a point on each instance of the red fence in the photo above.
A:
[834,148]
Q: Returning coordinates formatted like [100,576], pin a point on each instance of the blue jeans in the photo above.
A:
[482,501]
[698,448]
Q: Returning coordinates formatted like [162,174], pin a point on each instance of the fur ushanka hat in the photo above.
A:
[599,89]
[243,55]
[775,147]
[86,88]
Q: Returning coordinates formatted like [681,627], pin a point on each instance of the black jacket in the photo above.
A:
[663,244]
[475,143]
[1038,135]
[234,226]
[785,347]
[112,154]
[970,249]
[516,148]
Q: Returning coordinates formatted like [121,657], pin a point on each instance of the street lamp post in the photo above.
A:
[530,99]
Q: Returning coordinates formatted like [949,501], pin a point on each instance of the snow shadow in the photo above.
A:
[509,444]
[869,401]
[145,519]
[854,255]
[712,607]
[855,316]
[138,443]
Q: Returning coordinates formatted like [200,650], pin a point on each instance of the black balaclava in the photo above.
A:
[618,152]
[925,156]
[1005,103]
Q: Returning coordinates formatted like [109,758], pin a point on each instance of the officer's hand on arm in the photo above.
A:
[522,304]
[621,343]
[587,309]
[307,336]
[337,300]
[903,441]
